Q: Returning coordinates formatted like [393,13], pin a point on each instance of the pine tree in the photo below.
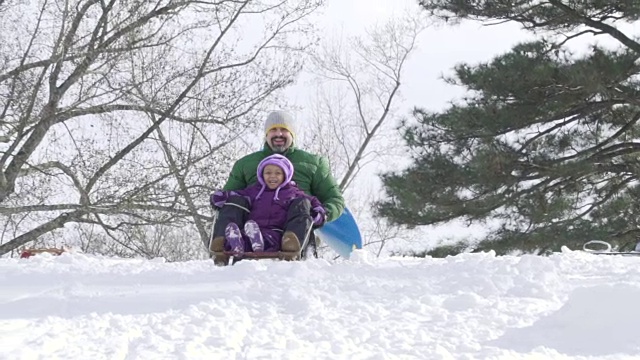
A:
[546,142]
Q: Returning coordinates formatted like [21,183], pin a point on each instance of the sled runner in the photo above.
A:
[275,255]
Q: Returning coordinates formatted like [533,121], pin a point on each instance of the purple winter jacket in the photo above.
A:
[268,212]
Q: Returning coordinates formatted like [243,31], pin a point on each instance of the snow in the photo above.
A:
[571,305]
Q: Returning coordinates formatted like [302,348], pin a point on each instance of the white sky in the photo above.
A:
[570,305]
[439,49]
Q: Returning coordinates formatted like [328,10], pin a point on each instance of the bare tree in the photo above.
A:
[116,114]
[354,104]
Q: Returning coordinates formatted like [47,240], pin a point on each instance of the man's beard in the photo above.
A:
[279,148]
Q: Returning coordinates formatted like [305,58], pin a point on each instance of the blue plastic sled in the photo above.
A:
[341,234]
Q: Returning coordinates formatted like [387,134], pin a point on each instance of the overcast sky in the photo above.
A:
[440,48]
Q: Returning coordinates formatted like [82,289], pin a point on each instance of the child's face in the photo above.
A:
[273,176]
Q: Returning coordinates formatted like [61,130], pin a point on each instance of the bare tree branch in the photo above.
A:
[368,72]
[122,118]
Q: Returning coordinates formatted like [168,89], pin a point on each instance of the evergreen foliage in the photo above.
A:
[546,142]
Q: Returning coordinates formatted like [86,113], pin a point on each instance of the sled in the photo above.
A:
[607,250]
[257,255]
[29,252]
[279,255]
[342,235]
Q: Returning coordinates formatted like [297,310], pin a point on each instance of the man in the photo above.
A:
[311,173]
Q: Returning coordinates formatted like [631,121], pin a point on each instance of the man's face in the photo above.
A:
[279,139]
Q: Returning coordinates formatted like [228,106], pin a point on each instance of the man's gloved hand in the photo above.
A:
[319,215]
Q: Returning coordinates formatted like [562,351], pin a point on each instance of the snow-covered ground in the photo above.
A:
[475,306]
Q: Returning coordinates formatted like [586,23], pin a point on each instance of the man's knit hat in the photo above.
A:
[280,119]
[279,161]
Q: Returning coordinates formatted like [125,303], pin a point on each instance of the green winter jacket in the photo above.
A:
[311,173]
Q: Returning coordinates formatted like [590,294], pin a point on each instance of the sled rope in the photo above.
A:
[236,205]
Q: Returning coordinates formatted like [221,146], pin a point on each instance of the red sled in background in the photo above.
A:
[29,252]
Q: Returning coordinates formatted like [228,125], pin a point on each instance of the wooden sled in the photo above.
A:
[276,255]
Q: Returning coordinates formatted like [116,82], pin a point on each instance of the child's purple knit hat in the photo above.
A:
[279,161]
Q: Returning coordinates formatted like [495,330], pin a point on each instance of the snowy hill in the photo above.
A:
[473,306]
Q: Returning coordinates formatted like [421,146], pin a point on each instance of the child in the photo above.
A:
[270,200]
